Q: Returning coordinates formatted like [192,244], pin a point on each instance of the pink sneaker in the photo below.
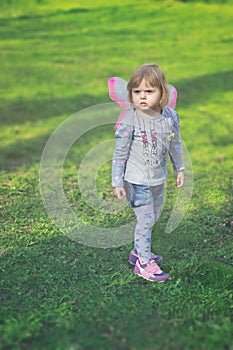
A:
[150,271]
[133,257]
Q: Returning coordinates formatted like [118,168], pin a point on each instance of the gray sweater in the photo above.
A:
[142,148]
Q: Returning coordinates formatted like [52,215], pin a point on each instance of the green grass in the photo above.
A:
[55,293]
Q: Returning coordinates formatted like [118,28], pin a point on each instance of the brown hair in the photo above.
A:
[154,76]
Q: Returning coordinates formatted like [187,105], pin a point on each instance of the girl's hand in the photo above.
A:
[119,192]
[180,179]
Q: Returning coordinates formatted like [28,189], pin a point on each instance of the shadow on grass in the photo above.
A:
[200,89]
[62,295]
[61,290]
[21,111]
[46,15]
[18,112]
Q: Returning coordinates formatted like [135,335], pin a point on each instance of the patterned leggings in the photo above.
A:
[147,215]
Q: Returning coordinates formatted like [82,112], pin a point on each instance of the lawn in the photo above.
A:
[58,293]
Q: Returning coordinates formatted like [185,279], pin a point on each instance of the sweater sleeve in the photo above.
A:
[123,135]
[175,148]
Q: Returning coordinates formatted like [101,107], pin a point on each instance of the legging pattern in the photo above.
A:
[147,215]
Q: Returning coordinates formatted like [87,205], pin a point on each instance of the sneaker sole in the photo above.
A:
[155,280]
[164,278]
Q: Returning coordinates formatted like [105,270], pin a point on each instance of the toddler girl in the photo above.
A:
[145,136]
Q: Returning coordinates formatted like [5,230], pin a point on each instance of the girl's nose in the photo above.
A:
[143,95]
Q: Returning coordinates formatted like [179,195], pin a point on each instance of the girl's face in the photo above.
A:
[147,97]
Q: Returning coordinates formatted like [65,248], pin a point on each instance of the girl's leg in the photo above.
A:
[156,213]
[146,215]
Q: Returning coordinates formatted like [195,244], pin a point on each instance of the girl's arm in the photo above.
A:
[124,135]
[176,151]
[119,192]
[180,179]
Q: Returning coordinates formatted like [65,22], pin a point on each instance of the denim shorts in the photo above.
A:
[139,195]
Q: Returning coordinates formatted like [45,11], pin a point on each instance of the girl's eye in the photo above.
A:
[136,91]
